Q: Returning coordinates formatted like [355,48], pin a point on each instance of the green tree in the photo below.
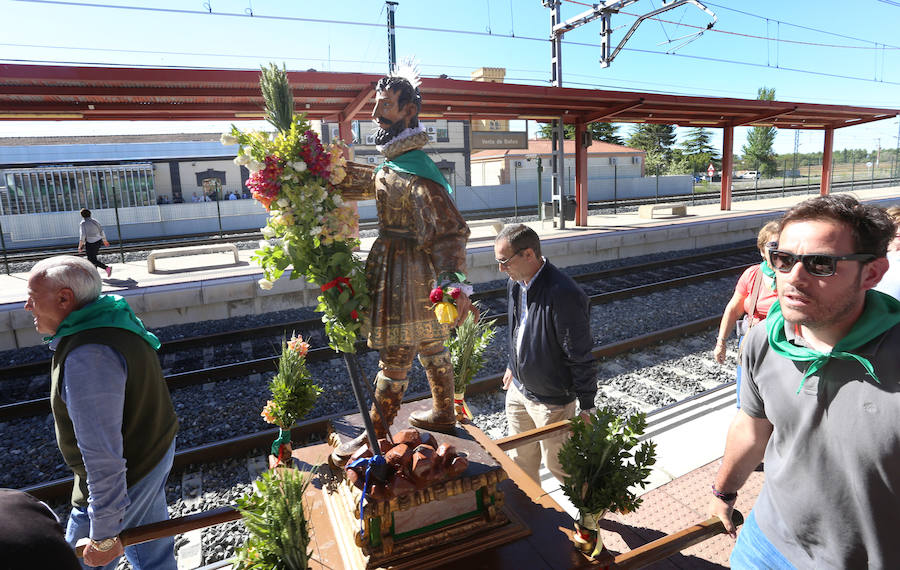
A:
[698,151]
[758,150]
[604,132]
[651,137]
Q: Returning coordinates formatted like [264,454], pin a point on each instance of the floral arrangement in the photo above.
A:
[604,459]
[309,228]
[274,516]
[467,345]
[293,394]
[444,297]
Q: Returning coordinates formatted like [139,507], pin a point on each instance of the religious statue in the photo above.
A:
[421,243]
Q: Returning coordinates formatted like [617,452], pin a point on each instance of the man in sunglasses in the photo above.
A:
[820,400]
[549,334]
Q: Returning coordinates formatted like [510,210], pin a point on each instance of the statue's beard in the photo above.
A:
[384,136]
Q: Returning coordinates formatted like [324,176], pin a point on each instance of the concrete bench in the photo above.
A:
[190,250]
[646,211]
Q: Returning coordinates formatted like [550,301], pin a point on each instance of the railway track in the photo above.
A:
[317,427]
[177,380]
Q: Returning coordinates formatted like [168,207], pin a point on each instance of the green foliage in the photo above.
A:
[293,391]
[655,163]
[603,460]
[652,137]
[698,151]
[604,132]
[758,149]
[467,345]
[274,516]
[279,98]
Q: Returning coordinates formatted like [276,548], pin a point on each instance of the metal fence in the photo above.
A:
[68,188]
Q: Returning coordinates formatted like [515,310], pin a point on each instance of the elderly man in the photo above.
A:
[115,423]
[820,400]
[421,241]
[550,360]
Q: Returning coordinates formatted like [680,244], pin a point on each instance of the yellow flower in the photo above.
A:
[445,312]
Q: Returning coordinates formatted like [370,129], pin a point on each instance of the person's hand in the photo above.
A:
[463,307]
[719,351]
[94,557]
[106,243]
[585,416]
[721,509]
[507,379]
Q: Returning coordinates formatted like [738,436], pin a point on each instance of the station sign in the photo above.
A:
[482,140]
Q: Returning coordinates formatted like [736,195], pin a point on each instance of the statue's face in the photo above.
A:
[390,116]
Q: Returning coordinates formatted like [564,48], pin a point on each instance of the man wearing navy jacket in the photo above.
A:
[550,360]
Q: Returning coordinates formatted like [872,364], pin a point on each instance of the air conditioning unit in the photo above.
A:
[431,129]
[372,159]
[613,160]
[635,160]
[432,137]
[518,164]
[335,132]
[370,138]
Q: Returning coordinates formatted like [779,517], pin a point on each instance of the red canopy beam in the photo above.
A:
[826,161]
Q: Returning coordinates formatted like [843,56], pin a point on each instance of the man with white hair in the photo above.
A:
[115,423]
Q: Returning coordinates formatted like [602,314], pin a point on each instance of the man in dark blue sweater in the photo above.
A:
[550,360]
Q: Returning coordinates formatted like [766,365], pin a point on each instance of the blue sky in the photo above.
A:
[822,51]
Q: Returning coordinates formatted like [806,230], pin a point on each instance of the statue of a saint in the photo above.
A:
[421,239]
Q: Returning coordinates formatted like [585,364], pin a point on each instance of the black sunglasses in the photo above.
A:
[818,264]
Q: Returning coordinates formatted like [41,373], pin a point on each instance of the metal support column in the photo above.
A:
[826,162]
[392,47]
[582,142]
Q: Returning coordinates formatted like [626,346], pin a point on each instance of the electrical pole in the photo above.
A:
[392,47]
[558,28]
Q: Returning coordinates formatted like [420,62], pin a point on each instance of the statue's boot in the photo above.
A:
[389,394]
[441,417]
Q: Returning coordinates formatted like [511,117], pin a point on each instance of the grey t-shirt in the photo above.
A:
[830,498]
[90,230]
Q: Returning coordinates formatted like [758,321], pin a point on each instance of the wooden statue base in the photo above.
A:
[432,526]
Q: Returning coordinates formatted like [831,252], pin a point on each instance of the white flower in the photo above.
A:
[241,159]
[255,166]
[338,202]
[265,284]
[283,202]
[315,231]
[267,232]
[299,165]
[227,138]
[263,244]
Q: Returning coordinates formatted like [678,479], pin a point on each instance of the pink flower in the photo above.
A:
[297,345]
[436,295]
[454,293]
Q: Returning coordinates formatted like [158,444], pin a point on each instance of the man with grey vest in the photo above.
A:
[115,423]
[820,399]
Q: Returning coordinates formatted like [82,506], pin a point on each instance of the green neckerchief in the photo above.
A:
[418,163]
[768,272]
[110,311]
[881,313]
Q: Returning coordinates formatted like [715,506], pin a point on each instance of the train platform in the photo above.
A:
[212,286]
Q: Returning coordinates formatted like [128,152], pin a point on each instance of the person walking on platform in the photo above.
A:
[115,423]
[753,295]
[90,234]
[820,400]
[550,360]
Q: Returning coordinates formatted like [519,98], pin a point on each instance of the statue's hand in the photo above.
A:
[463,307]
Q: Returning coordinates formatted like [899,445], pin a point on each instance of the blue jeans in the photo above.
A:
[148,505]
[753,550]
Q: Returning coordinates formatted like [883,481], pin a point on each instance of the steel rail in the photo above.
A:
[226,337]
[304,430]
[269,363]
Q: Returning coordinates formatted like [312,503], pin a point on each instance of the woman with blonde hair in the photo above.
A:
[753,295]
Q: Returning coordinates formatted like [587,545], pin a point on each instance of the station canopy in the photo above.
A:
[40,92]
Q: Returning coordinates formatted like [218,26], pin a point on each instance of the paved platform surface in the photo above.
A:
[199,268]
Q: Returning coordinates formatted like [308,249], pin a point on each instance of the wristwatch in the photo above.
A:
[104,544]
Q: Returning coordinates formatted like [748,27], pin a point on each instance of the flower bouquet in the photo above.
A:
[603,459]
[293,395]
[467,345]
[444,296]
[309,228]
